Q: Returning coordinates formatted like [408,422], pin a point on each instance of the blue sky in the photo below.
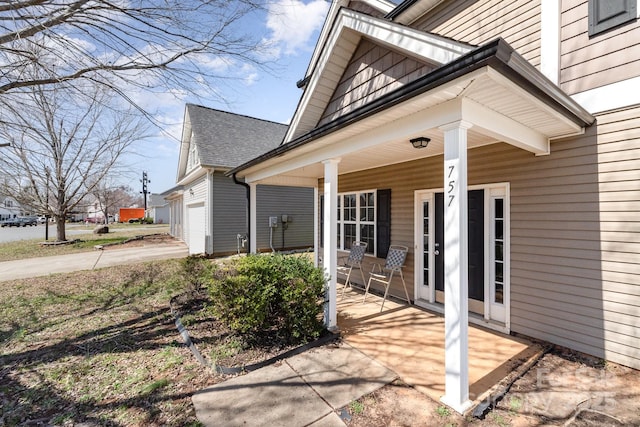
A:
[291,27]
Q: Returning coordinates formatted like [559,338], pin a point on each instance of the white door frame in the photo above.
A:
[425,297]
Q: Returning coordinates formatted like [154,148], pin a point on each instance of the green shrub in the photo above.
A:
[266,292]
[196,271]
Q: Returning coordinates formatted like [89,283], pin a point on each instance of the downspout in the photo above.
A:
[248,190]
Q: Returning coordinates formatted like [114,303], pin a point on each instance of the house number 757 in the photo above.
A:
[452,186]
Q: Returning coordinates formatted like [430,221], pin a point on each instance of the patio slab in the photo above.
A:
[410,341]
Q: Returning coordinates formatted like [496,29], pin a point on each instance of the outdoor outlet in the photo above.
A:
[273,222]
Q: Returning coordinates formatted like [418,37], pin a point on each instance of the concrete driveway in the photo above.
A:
[34,267]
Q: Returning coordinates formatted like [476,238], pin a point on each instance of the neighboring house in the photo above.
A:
[522,206]
[9,208]
[158,209]
[209,210]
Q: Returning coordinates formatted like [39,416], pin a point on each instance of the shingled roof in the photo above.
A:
[227,140]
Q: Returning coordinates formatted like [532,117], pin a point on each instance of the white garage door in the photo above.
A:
[196,229]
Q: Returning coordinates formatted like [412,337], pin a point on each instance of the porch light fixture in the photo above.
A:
[420,142]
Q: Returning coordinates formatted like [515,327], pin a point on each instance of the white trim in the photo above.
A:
[253,214]
[316,226]
[501,189]
[330,240]
[610,97]
[456,311]
[550,39]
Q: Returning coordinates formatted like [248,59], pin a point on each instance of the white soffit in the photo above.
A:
[350,26]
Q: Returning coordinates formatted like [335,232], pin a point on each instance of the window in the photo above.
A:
[363,216]
[607,14]
[357,220]
[498,249]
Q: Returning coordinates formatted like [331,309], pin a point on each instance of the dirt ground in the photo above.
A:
[563,388]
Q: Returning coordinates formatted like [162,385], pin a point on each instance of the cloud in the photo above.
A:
[292,23]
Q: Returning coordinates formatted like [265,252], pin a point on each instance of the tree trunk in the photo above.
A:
[60,229]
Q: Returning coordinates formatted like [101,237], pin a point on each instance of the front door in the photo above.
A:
[486,257]
[475,253]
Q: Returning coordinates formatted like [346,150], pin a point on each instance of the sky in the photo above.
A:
[292,28]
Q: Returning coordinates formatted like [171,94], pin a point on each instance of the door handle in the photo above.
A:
[436,252]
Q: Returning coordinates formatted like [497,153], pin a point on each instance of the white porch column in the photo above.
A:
[316,226]
[456,311]
[253,222]
[330,243]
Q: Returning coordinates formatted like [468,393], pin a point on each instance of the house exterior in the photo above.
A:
[209,210]
[9,208]
[520,203]
[158,209]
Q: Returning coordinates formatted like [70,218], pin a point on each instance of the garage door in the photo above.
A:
[196,228]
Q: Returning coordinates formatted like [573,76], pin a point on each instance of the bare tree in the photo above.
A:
[111,196]
[64,142]
[178,44]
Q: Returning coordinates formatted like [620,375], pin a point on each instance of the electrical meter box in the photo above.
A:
[273,221]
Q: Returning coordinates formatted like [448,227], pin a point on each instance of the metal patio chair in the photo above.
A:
[353,261]
[393,264]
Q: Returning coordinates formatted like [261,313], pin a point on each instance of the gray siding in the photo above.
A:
[477,22]
[229,207]
[575,232]
[590,62]
[297,203]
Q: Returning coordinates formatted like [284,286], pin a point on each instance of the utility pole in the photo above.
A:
[144,191]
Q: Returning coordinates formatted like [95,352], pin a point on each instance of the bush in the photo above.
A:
[260,293]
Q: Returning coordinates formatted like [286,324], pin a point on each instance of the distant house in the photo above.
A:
[9,208]
[158,209]
[210,211]
[500,142]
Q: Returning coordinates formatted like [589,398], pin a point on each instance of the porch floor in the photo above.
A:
[410,341]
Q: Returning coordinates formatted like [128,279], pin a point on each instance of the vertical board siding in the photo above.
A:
[575,232]
[587,63]
[478,22]
[229,207]
[297,203]
[372,72]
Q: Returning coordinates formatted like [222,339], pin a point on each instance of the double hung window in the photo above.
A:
[357,219]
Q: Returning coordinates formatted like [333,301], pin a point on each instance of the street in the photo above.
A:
[11,234]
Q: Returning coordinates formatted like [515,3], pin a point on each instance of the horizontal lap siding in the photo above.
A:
[229,214]
[478,22]
[606,58]
[403,180]
[575,232]
[297,203]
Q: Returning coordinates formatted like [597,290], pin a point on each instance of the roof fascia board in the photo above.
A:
[382,5]
[407,5]
[427,46]
[184,145]
[197,173]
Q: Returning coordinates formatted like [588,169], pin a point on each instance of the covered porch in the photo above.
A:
[411,342]
[413,144]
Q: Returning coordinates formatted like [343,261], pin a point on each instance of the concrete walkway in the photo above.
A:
[34,267]
[303,390]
